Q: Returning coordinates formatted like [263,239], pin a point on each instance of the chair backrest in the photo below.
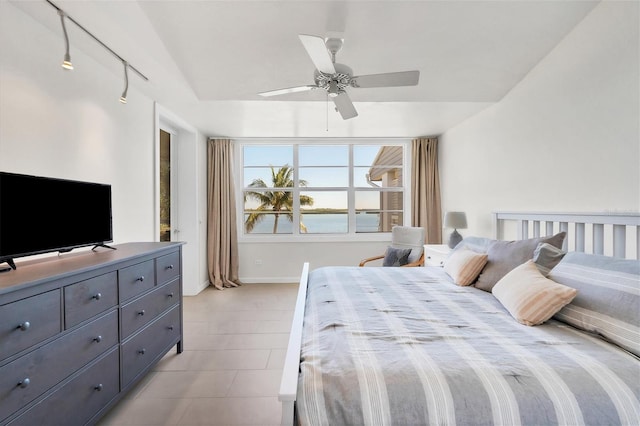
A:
[408,237]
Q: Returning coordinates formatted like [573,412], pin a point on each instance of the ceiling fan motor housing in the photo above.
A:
[336,83]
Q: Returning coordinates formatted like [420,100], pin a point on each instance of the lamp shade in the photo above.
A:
[455,220]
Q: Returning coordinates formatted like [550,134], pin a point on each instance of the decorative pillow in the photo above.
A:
[530,297]
[464,266]
[608,301]
[477,244]
[396,257]
[546,257]
[506,255]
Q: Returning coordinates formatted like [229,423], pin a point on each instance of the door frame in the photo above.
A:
[188,189]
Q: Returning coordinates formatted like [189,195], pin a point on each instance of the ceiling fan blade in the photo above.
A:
[345,106]
[392,79]
[287,90]
[318,52]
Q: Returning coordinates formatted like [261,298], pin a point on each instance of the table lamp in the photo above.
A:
[455,220]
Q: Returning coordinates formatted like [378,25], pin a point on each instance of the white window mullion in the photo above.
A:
[296,191]
[351,195]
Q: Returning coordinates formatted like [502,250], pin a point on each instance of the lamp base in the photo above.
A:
[454,238]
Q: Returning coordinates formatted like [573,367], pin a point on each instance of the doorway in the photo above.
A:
[185,200]
[166,229]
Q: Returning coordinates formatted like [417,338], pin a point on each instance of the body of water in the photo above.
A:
[320,223]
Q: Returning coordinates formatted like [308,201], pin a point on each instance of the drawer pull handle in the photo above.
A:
[98,296]
[23,384]
[24,326]
[140,278]
[170,267]
[97,339]
[170,327]
[141,313]
[98,387]
[170,295]
[142,351]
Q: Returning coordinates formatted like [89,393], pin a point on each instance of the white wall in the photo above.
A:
[567,138]
[70,124]
[282,262]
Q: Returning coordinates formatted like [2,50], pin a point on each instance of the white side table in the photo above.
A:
[435,254]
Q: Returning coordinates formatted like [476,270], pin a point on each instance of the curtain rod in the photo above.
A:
[98,40]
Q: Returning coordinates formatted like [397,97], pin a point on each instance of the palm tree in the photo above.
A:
[277,201]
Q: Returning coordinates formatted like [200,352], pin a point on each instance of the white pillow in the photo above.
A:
[530,297]
[464,265]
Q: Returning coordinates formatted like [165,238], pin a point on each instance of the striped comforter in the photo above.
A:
[405,346]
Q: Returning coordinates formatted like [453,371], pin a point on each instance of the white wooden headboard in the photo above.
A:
[612,234]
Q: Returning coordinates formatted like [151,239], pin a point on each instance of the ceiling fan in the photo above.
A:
[336,78]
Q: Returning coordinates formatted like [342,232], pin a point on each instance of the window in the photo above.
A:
[312,188]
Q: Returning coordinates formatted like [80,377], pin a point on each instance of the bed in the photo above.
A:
[410,346]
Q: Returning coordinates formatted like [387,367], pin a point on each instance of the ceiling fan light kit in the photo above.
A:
[335,78]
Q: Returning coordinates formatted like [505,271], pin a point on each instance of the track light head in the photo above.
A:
[66,63]
[123,98]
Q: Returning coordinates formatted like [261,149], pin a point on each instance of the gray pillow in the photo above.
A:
[608,297]
[504,256]
[396,257]
[546,257]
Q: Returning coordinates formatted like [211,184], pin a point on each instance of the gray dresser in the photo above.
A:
[77,331]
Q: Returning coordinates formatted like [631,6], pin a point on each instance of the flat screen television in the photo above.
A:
[43,214]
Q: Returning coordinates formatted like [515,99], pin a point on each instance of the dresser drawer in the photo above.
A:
[142,311]
[80,399]
[88,298]
[136,279]
[147,345]
[26,378]
[26,322]
[167,267]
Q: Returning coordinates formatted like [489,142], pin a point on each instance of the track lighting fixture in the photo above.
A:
[66,63]
[123,98]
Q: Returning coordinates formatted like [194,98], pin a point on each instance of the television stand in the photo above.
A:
[103,245]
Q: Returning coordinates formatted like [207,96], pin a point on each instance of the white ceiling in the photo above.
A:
[206,60]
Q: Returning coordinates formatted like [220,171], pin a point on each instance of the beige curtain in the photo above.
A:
[425,189]
[222,238]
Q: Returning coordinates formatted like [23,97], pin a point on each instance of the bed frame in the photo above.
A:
[611,234]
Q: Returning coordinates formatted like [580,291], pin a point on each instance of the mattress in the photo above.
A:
[406,346]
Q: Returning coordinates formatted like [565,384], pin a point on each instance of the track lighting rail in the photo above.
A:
[128,65]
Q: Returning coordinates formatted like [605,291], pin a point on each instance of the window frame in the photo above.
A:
[297,237]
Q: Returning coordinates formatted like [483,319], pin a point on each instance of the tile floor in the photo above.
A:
[229,371]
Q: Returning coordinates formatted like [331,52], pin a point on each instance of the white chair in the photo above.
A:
[403,237]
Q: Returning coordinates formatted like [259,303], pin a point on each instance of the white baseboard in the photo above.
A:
[271,280]
[201,287]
